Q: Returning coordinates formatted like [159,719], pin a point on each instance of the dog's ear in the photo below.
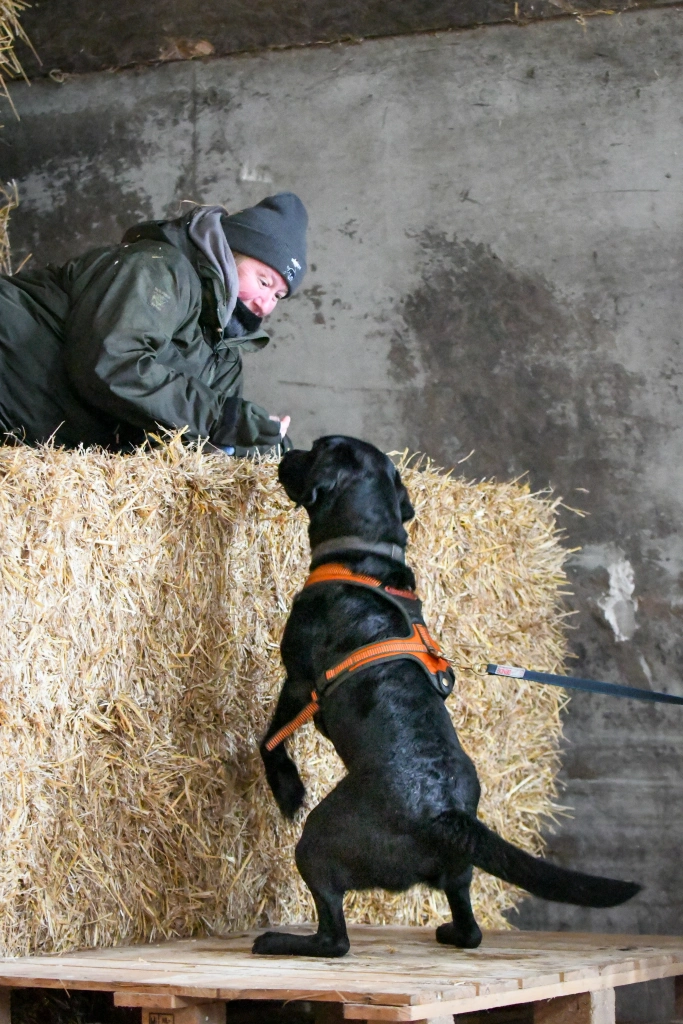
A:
[323,483]
[306,476]
[332,466]
[404,502]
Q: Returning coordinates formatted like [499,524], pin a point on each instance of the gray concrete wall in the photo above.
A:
[80,36]
[496,254]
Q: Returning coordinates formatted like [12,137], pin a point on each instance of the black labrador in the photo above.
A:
[406,812]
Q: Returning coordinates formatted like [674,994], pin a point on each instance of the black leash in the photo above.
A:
[591,685]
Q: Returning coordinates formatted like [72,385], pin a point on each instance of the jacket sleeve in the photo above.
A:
[119,342]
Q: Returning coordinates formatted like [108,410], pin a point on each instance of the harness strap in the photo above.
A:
[331,572]
[418,646]
[304,716]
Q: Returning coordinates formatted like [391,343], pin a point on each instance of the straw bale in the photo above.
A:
[142,599]
[10,31]
[9,200]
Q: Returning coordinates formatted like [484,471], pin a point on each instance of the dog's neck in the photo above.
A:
[340,546]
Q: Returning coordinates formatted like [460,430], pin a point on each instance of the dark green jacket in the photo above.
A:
[119,340]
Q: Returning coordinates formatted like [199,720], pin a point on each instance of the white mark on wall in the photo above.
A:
[646,669]
[261,174]
[619,605]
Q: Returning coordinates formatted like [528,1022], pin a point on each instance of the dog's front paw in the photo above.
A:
[288,789]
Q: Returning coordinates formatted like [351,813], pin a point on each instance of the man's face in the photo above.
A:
[260,286]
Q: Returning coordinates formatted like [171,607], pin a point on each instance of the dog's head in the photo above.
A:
[348,487]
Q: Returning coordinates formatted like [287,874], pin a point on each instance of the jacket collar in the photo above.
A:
[172,231]
[217,305]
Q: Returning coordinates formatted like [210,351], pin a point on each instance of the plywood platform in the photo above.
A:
[391,974]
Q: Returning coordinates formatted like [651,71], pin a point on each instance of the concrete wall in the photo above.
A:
[79,36]
[496,257]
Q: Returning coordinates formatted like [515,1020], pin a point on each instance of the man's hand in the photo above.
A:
[284,422]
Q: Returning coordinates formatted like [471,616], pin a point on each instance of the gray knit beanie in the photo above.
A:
[274,232]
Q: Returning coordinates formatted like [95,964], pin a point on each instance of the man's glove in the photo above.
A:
[255,428]
[254,450]
[246,430]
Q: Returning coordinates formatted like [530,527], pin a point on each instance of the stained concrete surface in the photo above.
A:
[496,255]
[79,36]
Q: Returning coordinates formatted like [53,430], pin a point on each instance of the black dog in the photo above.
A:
[406,812]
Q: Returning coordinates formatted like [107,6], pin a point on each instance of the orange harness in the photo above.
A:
[417,646]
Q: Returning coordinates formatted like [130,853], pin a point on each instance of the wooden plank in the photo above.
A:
[154,1000]
[221,951]
[336,992]
[436,963]
[583,1008]
[334,987]
[392,973]
[280,986]
[415,1012]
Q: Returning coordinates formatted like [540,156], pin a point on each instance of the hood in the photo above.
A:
[201,239]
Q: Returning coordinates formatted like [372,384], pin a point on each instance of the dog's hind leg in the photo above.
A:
[331,939]
[463,931]
[325,856]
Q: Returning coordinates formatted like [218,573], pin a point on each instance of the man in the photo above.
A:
[151,332]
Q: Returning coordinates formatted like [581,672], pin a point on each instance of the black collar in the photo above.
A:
[339,545]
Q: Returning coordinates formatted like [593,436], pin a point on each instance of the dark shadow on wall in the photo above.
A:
[502,365]
[44,1006]
[493,359]
[495,362]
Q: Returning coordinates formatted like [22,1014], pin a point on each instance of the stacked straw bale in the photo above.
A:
[142,603]
[9,200]
[10,31]
[10,67]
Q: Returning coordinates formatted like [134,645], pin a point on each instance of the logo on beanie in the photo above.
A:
[291,269]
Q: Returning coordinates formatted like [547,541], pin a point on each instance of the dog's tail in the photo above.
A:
[486,850]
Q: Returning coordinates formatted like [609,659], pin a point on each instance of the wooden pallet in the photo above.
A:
[391,974]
